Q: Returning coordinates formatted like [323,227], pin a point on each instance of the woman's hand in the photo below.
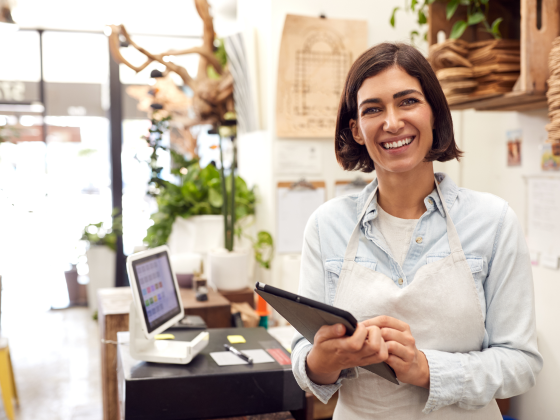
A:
[409,363]
[333,351]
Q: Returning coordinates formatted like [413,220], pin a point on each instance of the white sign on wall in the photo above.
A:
[544,217]
[298,158]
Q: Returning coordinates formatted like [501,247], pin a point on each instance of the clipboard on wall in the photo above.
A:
[296,201]
[350,187]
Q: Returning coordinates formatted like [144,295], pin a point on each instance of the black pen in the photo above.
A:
[238,354]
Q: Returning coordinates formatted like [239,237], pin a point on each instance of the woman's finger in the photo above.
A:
[406,354]
[396,363]
[355,343]
[385,321]
[328,332]
[378,357]
[405,338]
[373,341]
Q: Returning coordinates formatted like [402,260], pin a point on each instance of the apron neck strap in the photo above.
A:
[352,248]
[452,235]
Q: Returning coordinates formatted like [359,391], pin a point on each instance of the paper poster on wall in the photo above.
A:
[514,148]
[549,161]
[544,216]
[315,56]
[295,206]
[350,187]
[298,158]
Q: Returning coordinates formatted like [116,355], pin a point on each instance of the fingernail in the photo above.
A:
[339,329]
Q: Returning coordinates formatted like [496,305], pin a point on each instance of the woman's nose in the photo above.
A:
[392,123]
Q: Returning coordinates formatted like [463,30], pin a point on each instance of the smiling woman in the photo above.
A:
[434,273]
[411,81]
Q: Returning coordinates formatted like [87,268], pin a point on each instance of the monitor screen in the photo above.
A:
[157,289]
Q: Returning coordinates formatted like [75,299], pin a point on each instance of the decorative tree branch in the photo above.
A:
[212,98]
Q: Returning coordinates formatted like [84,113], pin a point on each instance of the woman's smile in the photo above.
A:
[397,144]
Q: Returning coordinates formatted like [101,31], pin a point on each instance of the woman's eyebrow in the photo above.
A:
[406,92]
[370,101]
[395,96]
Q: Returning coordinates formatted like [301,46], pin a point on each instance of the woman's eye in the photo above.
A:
[370,111]
[409,101]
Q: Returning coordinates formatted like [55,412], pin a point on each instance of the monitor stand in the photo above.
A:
[162,351]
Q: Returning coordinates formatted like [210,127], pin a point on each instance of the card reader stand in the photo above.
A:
[162,351]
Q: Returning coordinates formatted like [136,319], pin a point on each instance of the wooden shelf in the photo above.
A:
[520,22]
[512,101]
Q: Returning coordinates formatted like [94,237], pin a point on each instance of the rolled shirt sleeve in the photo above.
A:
[509,362]
[312,285]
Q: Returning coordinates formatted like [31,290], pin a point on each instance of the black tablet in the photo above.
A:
[308,315]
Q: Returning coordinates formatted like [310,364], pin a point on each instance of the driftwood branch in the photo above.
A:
[208,36]
[212,98]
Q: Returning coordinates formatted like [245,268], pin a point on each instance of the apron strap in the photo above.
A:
[352,248]
[452,235]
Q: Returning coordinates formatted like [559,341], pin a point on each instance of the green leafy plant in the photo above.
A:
[154,139]
[7,133]
[477,13]
[264,249]
[101,234]
[196,194]
[220,53]
[199,193]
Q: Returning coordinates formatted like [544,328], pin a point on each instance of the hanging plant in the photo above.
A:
[477,13]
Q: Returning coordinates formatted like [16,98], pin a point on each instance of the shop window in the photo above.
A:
[75,57]
[20,58]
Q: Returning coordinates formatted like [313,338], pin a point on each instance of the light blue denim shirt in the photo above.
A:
[497,254]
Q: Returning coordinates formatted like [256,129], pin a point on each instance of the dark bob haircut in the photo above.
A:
[354,156]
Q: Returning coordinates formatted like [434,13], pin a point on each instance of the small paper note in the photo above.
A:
[227,358]
[236,339]
[165,337]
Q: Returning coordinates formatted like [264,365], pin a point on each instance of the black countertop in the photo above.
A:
[202,389]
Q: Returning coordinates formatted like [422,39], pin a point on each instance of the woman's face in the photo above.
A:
[394,121]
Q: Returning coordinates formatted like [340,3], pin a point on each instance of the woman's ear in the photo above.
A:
[356,132]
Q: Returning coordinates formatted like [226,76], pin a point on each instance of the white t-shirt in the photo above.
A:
[397,233]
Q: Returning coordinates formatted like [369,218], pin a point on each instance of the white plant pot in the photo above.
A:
[102,270]
[196,234]
[187,263]
[229,270]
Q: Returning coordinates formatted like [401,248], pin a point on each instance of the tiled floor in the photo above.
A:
[55,355]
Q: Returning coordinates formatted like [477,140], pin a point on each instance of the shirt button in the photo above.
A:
[430,201]
[400,282]
[419,240]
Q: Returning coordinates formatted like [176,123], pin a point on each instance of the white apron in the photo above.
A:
[442,308]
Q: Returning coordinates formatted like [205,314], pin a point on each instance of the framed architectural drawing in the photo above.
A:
[315,56]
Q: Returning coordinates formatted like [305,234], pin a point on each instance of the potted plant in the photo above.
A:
[101,257]
[186,218]
[193,215]
[229,266]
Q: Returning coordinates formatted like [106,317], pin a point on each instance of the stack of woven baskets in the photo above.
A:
[469,71]
[553,95]
[453,69]
[496,65]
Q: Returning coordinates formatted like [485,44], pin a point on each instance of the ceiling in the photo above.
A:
[164,17]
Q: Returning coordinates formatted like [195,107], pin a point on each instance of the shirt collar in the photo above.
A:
[448,188]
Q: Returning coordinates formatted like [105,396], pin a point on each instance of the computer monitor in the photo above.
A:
[155,290]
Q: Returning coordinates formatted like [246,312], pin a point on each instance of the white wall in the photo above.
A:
[484,168]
